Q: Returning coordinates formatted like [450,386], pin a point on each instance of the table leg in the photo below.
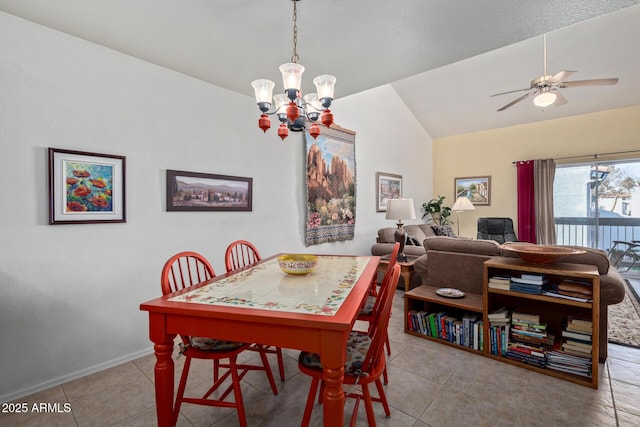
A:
[333,399]
[163,372]
[406,277]
[164,383]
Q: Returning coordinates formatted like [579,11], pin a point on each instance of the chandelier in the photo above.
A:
[290,107]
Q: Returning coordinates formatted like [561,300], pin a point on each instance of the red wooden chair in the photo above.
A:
[372,302]
[181,271]
[239,254]
[365,361]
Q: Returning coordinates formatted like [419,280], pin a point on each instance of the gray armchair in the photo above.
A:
[498,229]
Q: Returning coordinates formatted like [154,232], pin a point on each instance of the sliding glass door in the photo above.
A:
[597,204]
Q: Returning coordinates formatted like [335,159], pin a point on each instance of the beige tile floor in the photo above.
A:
[430,385]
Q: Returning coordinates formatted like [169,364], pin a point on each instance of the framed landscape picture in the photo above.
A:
[86,187]
[388,186]
[477,189]
[194,191]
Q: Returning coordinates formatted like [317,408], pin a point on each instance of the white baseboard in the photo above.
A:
[75,375]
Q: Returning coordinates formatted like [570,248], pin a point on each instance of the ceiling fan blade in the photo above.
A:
[592,82]
[511,91]
[560,99]
[517,100]
[562,75]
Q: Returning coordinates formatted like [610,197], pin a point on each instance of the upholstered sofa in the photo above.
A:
[448,261]
[416,233]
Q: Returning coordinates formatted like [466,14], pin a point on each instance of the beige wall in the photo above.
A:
[492,153]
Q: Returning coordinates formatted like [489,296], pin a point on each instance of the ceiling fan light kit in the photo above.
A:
[547,87]
[292,109]
[544,99]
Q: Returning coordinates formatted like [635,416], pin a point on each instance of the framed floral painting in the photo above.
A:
[86,187]
[388,186]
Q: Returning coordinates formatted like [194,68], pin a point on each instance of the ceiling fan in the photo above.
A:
[548,87]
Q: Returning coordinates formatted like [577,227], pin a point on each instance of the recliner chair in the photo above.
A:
[498,229]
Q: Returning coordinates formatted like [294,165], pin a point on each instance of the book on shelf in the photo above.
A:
[534,277]
[528,326]
[525,288]
[578,320]
[501,286]
[555,294]
[586,338]
[500,314]
[576,350]
[467,322]
[499,282]
[574,286]
[580,329]
[580,325]
[520,316]
[528,281]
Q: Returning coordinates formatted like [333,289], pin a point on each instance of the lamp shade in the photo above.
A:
[291,75]
[400,209]
[462,204]
[263,89]
[324,86]
[544,99]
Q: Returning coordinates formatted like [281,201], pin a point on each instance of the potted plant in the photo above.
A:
[439,214]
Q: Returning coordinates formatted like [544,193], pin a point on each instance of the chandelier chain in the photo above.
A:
[294,56]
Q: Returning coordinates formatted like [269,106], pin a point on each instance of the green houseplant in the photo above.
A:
[439,214]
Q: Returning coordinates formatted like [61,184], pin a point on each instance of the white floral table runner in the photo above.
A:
[267,287]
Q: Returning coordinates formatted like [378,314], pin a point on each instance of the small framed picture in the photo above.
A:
[194,191]
[86,188]
[477,189]
[388,186]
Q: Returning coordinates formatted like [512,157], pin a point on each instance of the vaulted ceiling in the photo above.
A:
[444,58]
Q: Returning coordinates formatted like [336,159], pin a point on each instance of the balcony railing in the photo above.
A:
[596,232]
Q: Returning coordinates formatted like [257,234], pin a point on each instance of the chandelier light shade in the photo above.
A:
[291,108]
[545,99]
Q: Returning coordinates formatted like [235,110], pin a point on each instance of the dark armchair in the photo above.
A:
[498,229]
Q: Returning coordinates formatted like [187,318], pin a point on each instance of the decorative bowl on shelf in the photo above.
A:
[541,254]
[298,263]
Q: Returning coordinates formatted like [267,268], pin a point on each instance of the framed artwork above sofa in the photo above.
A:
[388,186]
[476,188]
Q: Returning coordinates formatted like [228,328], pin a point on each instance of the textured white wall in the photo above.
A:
[71,293]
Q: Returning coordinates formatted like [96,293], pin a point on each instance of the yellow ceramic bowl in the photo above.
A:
[298,263]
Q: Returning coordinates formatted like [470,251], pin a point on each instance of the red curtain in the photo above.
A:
[526,203]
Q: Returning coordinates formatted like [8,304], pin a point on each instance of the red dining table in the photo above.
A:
[261,304]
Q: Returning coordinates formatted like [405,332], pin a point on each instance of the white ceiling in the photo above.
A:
[444,58]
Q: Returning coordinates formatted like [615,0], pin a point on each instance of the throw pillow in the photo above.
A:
[443,230]
[412,241]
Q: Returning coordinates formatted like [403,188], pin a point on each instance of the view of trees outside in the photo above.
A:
[595,204]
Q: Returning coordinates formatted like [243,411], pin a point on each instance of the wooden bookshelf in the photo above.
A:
[552,310]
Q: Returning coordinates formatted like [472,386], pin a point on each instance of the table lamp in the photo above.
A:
[400,209]
[462,204]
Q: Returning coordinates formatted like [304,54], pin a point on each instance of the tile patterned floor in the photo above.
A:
[430,385]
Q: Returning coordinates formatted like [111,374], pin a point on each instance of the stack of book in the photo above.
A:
[500,282]
[499,323]
[528,339]
[572,289]
[570,363]
[573,353]
[528,283]
[577,336]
